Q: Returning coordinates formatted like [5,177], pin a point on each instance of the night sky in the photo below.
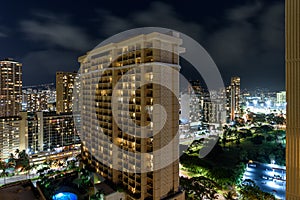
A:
[244,37]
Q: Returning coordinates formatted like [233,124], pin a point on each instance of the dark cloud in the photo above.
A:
[4,32]
[231,46]
[55,31]
[111,24]
[2,35]
[244,12]
[157,15]
[251,36]
[272,26]
[45,63]
[60,43]
[251,45]
[244,39]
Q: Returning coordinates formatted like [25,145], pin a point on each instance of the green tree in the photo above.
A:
[250,191]
[199,188]
[3,168]
[231,195]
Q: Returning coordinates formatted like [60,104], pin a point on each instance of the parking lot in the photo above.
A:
[269,177]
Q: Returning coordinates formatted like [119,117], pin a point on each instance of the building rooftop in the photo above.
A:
[8,59]
[21,190]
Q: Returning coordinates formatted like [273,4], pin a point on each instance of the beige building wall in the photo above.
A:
[292,17]
[142,50]
[23,131]
[9,135]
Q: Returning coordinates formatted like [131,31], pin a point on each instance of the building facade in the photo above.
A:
[138,60]
[64,91]
[281,97]
[10,87]
[233,98]
[292,16]
[35,100]
[9,135]
[47,131]
[37,132]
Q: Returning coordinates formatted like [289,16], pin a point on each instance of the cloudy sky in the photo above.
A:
[244,37]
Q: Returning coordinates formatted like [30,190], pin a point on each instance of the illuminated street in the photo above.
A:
[270,178]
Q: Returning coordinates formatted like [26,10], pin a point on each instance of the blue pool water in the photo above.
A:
[65,196]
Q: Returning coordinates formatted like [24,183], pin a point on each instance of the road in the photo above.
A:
[15,178]
[270,178]
[189,140]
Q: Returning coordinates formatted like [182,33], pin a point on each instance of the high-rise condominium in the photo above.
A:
[138,59]
[64,91]
[234,97]
[9,135]
[10,87]
[292,17]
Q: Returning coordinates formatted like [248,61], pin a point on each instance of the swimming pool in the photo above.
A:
[64,196]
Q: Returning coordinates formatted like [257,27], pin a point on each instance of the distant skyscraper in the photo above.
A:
[10,87]
[185,108]
[37,98]
[195,87]
[196,100]
[292,17]
[64,91]
[233,95]
[281,97]
[138,59]
[34,100]
[213,111]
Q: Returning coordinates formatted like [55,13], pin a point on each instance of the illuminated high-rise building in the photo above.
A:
[34,100]
[281,97]
[233,98]
[10,87]
[9,135]
[139,59]
[64,91]
[292,23]
[45,131]
[195,87]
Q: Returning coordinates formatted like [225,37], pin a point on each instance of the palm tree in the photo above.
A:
[11,161]
[199,188]
[98,195]
[17,151]
[3,167]
[231,195]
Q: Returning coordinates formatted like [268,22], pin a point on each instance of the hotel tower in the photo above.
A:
[235,97]
[292,21]
[64,91]
[120,116]
[10,87]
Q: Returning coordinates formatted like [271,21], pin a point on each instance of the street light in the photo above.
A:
[272,162]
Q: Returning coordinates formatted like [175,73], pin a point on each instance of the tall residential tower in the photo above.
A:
[10,87]
[234,97]
[125,152]
[292,21]
[64,91]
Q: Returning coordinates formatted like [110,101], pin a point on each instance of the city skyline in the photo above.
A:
[152,100]
[39,36]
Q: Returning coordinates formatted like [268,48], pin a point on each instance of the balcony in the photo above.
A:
[150,191]
[150,175]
